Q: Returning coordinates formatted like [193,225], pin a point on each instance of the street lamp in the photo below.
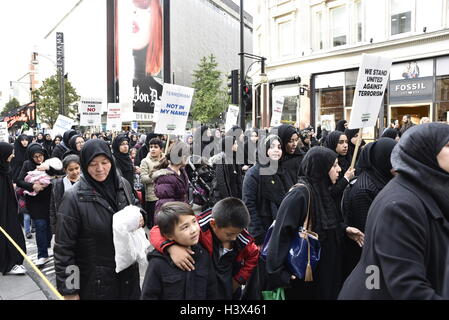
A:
[61,84]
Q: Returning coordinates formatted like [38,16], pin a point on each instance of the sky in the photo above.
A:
[24,25]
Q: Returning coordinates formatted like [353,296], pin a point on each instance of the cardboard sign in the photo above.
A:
[175,108]
[62,125]
[114,120]
[278,107]
[90,112]
[369,92]
[4,135]
[232,117]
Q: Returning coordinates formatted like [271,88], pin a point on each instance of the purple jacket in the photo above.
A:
[170,187]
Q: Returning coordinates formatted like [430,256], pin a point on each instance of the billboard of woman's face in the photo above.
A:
[140,51]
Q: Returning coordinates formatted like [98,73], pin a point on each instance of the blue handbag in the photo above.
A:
[304,253]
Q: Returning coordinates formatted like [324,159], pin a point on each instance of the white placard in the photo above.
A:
[278,107]
[328,122]
[232,117]
[90,112]
[4,135]
[175,108]
[157,110]
[62,125]
[369,92]
[114,120]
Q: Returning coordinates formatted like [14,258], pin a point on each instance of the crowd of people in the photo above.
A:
[211,200]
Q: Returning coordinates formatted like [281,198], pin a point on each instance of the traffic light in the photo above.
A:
[248,97]
[233,86]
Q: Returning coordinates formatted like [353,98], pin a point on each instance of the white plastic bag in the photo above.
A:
[130,241]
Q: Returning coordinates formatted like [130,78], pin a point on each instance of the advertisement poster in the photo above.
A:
[90,112]
[139,52]
[369,92]
[175,108]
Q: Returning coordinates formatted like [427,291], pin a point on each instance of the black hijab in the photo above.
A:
[66,137]
[108,188]
[72,146]
[341,126]
[375,161]
[20,152]
[285,132]
[5,151]
[132,143]
[273,185]
[315,167]
[33,149]
[332,143]
[415,156]
[40,141]
[123,160]
[391,133]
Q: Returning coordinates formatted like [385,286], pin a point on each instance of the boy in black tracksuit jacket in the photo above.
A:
[163,280]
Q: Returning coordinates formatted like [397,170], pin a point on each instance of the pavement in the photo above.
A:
[23,287]
[31,286]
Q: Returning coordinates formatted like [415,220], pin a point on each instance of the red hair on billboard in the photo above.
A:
[154,51]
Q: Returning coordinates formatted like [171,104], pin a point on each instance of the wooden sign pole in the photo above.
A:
[357,146]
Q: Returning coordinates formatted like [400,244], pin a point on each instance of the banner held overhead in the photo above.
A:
[175,108]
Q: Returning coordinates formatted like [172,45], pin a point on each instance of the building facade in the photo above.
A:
[314,48]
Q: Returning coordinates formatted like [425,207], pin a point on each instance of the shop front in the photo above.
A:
[417,88]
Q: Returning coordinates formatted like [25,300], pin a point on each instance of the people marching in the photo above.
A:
[222,211]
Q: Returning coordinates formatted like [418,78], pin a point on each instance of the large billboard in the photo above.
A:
[139,56]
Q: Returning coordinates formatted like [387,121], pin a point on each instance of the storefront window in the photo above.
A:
[442,89]
[290,93]
[443,111]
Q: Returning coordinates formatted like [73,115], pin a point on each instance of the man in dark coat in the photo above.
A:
[407,231]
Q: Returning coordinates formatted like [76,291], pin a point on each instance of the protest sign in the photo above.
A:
[4,135]
[369,93]
[231,117]
[278,106]
[90,112]
[61,125]
[114,120]
[372,81]
[175,108]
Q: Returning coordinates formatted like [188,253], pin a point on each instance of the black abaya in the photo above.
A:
[9,256]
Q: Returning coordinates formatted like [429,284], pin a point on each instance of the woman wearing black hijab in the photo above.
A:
[392,133]
[342,125]
[320,169]
[407,230]
[48,143]
[291,154]
[20,155]
[39,205]
[10,259]
[264,189]
[76,143]
[338,142]
[375,172]
[84,230]
[120,149]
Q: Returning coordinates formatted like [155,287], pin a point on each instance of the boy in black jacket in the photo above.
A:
[163,280]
